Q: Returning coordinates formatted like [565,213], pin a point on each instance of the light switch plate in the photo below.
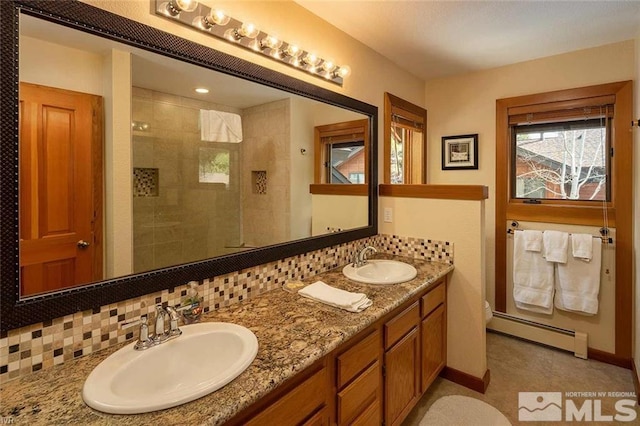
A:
[388,214]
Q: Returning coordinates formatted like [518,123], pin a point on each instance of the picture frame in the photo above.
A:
[460,152]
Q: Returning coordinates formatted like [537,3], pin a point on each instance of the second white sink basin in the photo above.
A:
[381,271]
[203,359]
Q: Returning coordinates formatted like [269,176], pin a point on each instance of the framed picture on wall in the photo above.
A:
[460,152]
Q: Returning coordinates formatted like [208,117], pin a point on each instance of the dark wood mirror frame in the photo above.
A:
[16,313]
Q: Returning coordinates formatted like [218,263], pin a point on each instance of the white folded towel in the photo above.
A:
[582,246]
[532,278]
[578,282]
[321,292]
[555,246]
[532,240]
[219,126]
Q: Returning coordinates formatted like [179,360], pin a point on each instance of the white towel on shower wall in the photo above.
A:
[218,126]
[555,245]
[533,284]
[578,282]
[582,246]
[532,240]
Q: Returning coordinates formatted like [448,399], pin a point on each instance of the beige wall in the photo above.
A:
[67,68]
[353,212]
[118,236]
[466,104]
[433,219]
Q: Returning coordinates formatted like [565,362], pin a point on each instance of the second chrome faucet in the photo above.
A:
[161,332]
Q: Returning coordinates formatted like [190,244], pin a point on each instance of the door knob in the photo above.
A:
[83,244]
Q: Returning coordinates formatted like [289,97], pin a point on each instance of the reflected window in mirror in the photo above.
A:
[405,146]
[340,152]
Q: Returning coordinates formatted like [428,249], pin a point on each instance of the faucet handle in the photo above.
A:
[144,341]
[174,330]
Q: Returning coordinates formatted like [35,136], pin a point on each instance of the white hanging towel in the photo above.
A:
[532,240]
[532,278]
[582,246]
[578,282]
[218,126]
[556,245]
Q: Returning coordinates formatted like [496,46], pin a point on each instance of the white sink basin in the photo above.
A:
[381,271]
[205,358]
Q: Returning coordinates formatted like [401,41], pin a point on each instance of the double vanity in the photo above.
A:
[314,364]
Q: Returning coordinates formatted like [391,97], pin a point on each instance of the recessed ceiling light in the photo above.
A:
[202,90]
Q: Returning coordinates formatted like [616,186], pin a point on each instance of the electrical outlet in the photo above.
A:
[388,214]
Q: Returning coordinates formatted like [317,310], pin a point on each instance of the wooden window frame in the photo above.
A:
[619,208]
[320,186]
[395,105]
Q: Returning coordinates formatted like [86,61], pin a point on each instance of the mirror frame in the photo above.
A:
[15,313]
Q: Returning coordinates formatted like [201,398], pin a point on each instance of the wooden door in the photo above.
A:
[60,188]
[434,349]
[402,368]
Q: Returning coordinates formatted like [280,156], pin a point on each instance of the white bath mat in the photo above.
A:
[462,411]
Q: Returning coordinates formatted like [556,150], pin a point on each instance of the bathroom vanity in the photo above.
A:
[315,365]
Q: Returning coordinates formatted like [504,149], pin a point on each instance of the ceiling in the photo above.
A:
[440,38]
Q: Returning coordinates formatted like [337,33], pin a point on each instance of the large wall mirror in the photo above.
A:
[130,181]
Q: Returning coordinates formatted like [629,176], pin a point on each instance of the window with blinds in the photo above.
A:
[561,152]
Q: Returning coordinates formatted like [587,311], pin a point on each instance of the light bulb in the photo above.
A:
[270,42]
[328,66]
[248,30]
[185,5]
[215,17]
[292,50]
[344,71]
[311,59]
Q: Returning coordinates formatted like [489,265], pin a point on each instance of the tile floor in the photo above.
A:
[546,370]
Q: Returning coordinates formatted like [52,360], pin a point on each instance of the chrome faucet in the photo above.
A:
[359,259]
[161,334]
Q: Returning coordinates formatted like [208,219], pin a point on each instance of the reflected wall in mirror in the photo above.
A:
[181,185]
[405,141]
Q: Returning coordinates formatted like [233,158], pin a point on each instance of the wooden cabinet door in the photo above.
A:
[434,348]
[402,378]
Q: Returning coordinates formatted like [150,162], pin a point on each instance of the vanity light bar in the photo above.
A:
[245,34]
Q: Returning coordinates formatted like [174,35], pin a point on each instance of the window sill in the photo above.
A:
[339,189]
[443,192]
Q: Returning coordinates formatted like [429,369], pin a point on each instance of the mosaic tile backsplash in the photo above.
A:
[44,345]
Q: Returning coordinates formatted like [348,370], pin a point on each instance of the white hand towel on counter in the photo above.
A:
[532,278]
[321,292]
[578,282]
[555,245]
[532,240]
[219,126]
[582,246]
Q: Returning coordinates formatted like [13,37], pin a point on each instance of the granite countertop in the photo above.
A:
[293,332]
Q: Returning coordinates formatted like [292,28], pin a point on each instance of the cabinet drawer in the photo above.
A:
[298,404]
[370,417]
[354,399]
[395,329]
[433,299]
[357,358]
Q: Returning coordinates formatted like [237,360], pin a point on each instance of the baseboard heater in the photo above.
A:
[568,340]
